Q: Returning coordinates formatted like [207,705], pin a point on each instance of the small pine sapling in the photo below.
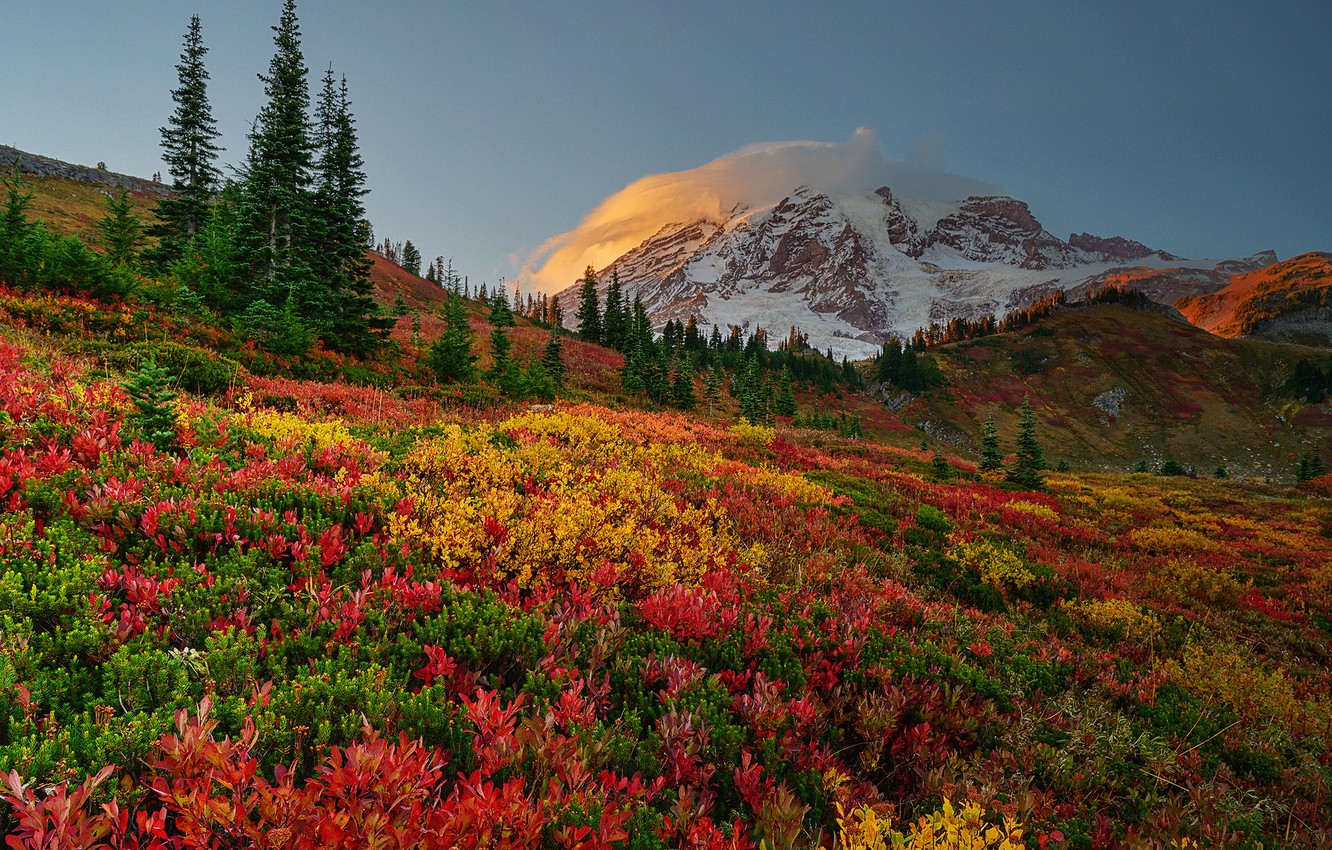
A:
[154,416]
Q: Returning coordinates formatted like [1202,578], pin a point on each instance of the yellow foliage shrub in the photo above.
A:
[999,566]
[281,427]
[756,435]
[1034,509]
[1163,540]
[964,828]
[1118,615]
[574,498]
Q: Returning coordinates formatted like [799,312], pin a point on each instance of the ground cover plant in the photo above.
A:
[306,617]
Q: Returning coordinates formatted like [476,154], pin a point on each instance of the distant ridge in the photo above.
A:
[45,166]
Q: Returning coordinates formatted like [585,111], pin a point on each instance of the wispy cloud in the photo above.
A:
[754,176]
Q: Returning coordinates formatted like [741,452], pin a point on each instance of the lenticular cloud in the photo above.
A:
[753,177]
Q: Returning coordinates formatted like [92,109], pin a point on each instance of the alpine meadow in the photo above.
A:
[804,499]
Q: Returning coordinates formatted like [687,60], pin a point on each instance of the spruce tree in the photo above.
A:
[614,319]
[589,309]
[552,358]
[190,154]
[1030,463]
[122,234]
[154,416]
[785,403]
[451,357]
[503,371]
[992,457]
[411,258]
[274,220]
[712,385]
[339,232]
[682,387]
[500,314]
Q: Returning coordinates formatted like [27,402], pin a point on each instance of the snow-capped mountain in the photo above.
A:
[851,270]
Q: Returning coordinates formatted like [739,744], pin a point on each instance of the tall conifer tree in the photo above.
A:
[589,308]
[190,153]
[352,320]
[273,226]
[1027,469]
[613,321]
[992,457]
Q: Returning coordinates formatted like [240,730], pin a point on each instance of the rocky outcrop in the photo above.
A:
[998,229]
[903,230]
[44,166]
[1115,247]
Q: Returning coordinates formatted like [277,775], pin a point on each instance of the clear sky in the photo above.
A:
[1203,127]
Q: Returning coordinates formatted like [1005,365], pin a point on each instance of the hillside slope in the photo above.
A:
[1113,385]
[1289,301]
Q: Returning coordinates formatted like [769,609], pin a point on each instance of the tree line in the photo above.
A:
[665,367]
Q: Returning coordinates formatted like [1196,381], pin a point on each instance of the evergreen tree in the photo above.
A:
[785,403]
[190,153]
[992,457]
[589,308]
[411,258]
[273,224]
[339,230]
[1030,462]
[154,415]
[657,375]
[682,387]
[451,357]
[18,237]
[503,372]
[615,319]
[121,232]
[940,468]
[552,358]
[500,314]
[712,385]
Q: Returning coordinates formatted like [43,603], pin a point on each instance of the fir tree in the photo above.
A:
[18,236]
[552,358]
[712,385]
[273,224]
[682,388]
[121,232]
[411,258]
[589,308]
[500,314]
[940,468]
[154,415]
[339,231]
[785,403]
[190,154]
[451,357]
[1030,463]
[614,319]
[992,457]
[503,370]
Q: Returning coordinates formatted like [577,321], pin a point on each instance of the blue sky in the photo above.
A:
[1203,128]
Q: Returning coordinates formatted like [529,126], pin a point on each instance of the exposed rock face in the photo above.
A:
[903,230]
[45,166]
[1111,401]
[1003,230]
[1115,247]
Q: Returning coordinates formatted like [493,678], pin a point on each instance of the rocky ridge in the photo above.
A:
[45,166]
